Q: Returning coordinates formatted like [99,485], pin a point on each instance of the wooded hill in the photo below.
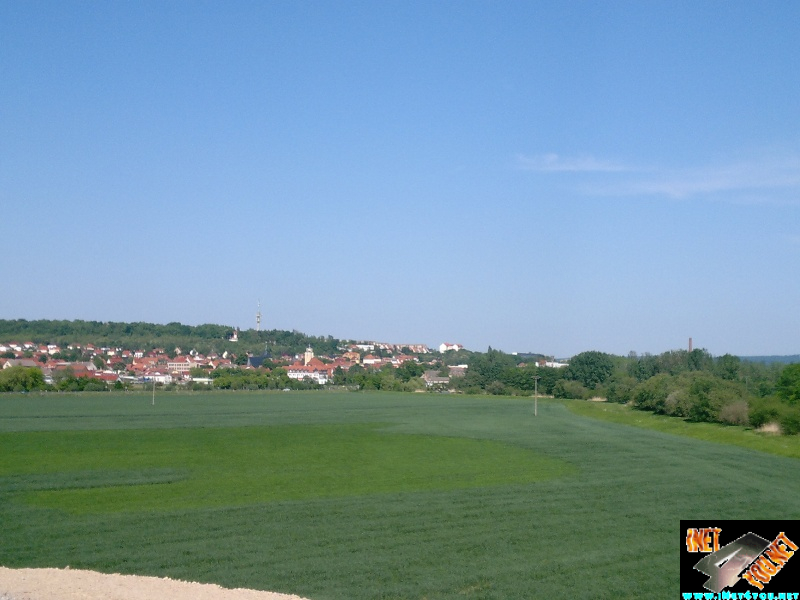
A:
[147,336]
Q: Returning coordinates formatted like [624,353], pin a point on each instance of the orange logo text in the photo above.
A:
[770,562]
[700,540]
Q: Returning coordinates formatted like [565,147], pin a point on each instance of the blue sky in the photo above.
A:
[533,176]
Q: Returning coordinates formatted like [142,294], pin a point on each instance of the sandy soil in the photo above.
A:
[69,584]
[770,428]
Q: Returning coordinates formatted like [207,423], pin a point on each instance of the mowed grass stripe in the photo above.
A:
[235,466]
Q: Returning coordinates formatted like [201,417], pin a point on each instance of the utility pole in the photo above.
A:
[536,395]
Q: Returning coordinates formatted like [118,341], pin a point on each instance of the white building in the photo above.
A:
[445,346]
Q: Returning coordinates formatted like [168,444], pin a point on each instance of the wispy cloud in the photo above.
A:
[553,163]
[753,178]
[767,179]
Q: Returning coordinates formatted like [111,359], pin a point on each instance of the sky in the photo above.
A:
[534,176]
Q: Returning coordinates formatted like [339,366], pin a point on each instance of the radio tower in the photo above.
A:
[258,317]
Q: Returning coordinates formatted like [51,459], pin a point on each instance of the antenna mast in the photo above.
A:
[258,317]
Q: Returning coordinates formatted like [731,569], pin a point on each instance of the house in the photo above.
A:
[402,358]
[417,348]
[354,357]
[552,364]
[20,362]
[433,379]
[315,370]
[157,377]
[180,365]
[369,359]
[458,370]
[342,363]
[445,346]
[115,361]
[107,376]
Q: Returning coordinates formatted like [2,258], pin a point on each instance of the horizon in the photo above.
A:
[432,346]
[565,176]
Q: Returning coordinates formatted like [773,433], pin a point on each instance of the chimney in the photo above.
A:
[690,344]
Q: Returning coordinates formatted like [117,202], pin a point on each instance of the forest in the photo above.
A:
[205,339]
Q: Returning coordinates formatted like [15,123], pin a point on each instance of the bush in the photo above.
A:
[765,410]
[570,389]
[95,386]
[496,388]
[652,394]
[790,422]
[735,414]
[620,389]
[677,404]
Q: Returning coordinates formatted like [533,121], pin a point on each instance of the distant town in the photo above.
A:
[91,356]
[113,365]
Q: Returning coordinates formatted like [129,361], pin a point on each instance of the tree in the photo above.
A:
[519,378]
[409,370]
[652,394]
[788,387]
[590,368]
[699,360]
[548,378]
[21,379]
[486,368]
[727,367]
[620,389]
[644,367]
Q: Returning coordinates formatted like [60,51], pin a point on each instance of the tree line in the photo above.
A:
[205,339]
[693,385]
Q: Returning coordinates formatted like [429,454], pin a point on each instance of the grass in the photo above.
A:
[534,507]
[743,437]
[249,465]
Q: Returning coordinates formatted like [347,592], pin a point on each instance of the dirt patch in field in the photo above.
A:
[67,584]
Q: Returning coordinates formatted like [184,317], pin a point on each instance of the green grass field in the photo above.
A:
[356,496]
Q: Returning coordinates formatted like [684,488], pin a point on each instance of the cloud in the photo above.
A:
[553,163]
[764,179]
[754,179]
